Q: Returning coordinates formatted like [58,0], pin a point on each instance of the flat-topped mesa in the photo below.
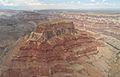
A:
[51,29]
[56,56]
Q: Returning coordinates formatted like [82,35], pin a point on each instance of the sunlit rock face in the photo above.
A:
[54,49]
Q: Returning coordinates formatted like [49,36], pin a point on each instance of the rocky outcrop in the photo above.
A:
[54,49]
[53,28]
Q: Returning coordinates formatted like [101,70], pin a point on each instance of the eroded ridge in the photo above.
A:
[52,57]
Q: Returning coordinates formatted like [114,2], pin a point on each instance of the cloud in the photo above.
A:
[29,4]
[103,0]
[92,0]
[22,4]
[79,2]
[19,2]
[74,4]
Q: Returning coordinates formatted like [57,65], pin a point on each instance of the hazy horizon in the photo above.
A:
[58,4]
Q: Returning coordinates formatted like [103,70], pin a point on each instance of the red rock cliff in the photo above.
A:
[51,51]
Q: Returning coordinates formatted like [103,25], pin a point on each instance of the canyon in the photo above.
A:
[59,44]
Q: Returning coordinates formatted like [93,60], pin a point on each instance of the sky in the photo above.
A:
[59,4]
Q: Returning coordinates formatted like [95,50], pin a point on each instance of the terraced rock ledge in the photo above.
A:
[53,49]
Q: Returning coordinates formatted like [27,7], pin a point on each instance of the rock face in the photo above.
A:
[15,24]
[54,49]
[52,29]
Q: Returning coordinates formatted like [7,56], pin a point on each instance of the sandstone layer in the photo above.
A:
[55,49]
